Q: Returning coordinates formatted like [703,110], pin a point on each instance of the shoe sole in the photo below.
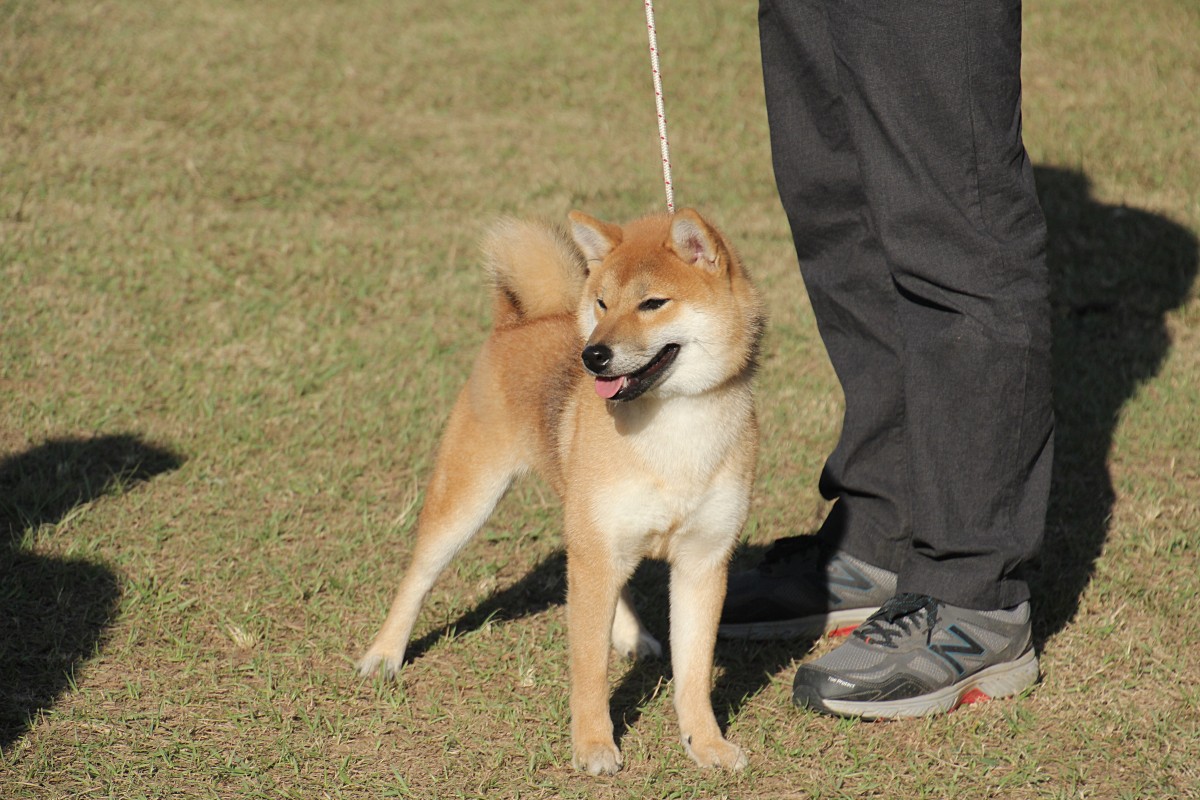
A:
[835,623]
[999,680]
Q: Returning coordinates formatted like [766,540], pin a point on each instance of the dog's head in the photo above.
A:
[666,306]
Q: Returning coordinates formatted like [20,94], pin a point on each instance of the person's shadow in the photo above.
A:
[1116,272]
[54,611]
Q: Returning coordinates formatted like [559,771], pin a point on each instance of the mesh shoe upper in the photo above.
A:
[912,647]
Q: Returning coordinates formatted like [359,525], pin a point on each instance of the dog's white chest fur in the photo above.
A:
[679,488]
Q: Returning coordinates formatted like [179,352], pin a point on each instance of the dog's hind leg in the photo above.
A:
[474,468]
[629,636]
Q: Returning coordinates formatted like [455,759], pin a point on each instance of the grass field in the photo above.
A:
[239,289]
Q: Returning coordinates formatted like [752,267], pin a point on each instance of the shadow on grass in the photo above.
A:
[1116,272]
[542,587]
[746,667]
[55,610]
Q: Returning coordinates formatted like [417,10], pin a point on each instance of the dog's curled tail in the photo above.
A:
[536,270]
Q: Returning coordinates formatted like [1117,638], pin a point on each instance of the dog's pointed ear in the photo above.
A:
[695,242]
[595,238]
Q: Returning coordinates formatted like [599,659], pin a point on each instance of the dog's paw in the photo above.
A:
[597,758]
[376,661]
[716,752]
[638,645]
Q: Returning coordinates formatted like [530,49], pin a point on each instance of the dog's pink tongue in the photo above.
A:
[608,387]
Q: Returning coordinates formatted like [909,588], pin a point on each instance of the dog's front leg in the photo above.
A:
[697,592]
[592,591]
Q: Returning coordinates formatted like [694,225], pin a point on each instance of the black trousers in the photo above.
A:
[896,141]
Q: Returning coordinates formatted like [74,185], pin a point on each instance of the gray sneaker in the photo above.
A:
[802,590]
[919,656]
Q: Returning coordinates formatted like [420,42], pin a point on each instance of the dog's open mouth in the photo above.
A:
[635,384]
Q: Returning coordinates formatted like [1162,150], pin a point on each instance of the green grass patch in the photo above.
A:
[239,288]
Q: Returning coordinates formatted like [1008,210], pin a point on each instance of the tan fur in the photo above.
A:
[667,474]
[536,270]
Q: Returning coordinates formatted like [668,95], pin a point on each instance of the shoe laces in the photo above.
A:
[900,617]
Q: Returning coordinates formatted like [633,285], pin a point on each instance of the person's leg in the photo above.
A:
[931,92]
[806,586]
[896,141]
[847,278]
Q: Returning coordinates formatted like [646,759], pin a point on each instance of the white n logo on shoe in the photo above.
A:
[847,577]
[969,647]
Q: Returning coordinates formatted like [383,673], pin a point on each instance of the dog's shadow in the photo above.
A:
[1116,272]
[56,610]
[539,589]
[747,667]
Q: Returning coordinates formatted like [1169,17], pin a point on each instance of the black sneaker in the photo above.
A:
[920,656]
[799,590]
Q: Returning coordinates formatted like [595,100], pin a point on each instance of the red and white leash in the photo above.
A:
[658,105]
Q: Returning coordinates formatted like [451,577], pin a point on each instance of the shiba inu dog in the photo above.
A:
[619,368]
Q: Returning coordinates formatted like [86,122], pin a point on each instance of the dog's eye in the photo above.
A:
[653,304]
[600,303]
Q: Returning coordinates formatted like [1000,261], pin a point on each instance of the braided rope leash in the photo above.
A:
[658,105]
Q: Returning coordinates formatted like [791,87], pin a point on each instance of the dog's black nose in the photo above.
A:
[597,358]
